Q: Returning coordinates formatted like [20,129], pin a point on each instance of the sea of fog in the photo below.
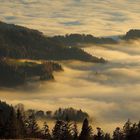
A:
[109,92]
[99,17]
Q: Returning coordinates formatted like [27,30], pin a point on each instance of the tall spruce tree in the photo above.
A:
[86,133]
[11,125]
[75,131]
[67,131]
[1,124]
[117,134]
[46,131]
[32,127]
[57,130]
[100,134]
[20,125]
[107,137]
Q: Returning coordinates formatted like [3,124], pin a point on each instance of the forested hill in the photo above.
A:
[15,72]
[132,34]
[16,124]
[20,42]
[81,39]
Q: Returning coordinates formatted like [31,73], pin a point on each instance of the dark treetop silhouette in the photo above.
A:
[14,124]
[20,42]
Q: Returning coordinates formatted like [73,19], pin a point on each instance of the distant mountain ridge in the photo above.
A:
[72,40]
[21,42]
[79,39]
[132,34]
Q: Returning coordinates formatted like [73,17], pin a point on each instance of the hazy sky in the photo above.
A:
[99,17]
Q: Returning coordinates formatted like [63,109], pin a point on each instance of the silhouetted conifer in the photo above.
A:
[86,132]
[46,131]
[11,125]
[20,125]
[100,134]
[107,137]
[67,131]
[32,127]
[117,134]
[57,130]
[75,131]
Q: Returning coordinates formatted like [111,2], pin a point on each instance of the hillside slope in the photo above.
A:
[21,42]
[132,34]
[81,39]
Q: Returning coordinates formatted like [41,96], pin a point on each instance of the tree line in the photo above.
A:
[14,72]
[14,125]
[23,43]
[81,39]
[59,114]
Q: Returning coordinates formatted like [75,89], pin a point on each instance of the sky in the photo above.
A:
[97,17]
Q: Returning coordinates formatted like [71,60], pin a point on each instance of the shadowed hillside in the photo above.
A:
[132,34]
[81,39]
[21,42]
[13,72]
[60,114]
[14,124]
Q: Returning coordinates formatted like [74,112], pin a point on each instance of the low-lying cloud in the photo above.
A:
[108,92]
[104,17]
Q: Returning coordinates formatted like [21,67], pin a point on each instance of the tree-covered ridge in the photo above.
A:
[132,34]
[60,114]
[14,72]
[20,42]
[14,124]
[81,39]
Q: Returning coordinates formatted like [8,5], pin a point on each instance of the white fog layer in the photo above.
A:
[97,17]
[110,92]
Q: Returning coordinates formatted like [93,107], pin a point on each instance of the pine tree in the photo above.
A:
[20,125]
[86,132]
[1,124]
[100,134]
[67,131]
[57,130]
[138,130]
[62,131]
[11,125]
[107,137]
[75,131]
[126,129]
[117,134]
[32,127]
[46,131]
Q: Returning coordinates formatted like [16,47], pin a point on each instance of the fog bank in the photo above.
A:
[108,92]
